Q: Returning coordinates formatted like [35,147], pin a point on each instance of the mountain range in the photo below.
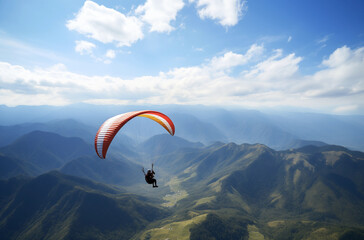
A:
[66,127]
[277,130]
[45,151]
[55,187]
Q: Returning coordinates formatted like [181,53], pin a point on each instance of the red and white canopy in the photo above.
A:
[111,126]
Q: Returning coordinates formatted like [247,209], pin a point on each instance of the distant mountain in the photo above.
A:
[165,143]
[57,206]
[65,127]
[123,145]
[332,129]
[46,151]
[248,126]
[24,114]
[111,171]
[278,130]
[193,129]
[38,152]
[302,143]
[10,167]
[71,128]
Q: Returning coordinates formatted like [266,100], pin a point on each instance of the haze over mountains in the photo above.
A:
[53,186]
[195,123]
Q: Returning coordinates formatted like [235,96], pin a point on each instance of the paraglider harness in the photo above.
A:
[149,177]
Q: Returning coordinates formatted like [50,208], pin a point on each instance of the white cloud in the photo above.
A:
[226,12]
[273,81]
[339,57]
[159,13]
[323,40]
[289,39]
[275,67]
[343,75]
[106,25]
[199,49]
[84,47]
[345,109]
[110,54]
[231,59]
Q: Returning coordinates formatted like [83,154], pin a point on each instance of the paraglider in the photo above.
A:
[111,127]
[149,177]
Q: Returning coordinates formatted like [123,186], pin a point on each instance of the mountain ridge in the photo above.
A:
[45,150]
[48,202]
[293,192]
[278,130]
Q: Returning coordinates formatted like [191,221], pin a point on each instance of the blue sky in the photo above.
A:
[233,53]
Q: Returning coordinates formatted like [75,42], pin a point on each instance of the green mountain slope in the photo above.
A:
[301,190]
[38,152]
[56,206]
[118,171]
[10,167]
[46,151]
[326,180]
[222,191]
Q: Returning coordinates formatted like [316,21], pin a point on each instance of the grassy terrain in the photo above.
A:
[177,193]
[176,230]
[254,233]
[293,229]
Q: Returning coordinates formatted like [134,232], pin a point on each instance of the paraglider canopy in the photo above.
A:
[111,127]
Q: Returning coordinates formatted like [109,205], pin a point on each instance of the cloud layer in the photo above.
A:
[106,25]
[159,13]
[84,47]
[226,12]
[263,80]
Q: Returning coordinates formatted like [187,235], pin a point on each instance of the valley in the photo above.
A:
[222,190]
